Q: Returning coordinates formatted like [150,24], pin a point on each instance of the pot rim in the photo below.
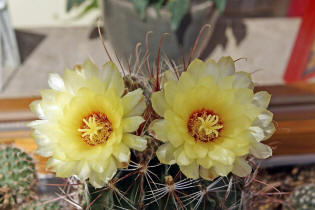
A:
[151,12]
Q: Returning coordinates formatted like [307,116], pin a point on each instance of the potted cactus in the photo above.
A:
[127,22]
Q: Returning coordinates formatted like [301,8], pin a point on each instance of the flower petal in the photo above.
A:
[212,69]
[260,150]
[226,66]
[121,153]
[90,69]
[133,103]
[262,99]
[190,171]
[112,78]
[208,174]
[181,157]
[135,142]
[56,82]
[222,155]
[196,68]
[165,154]
[131,124]
[243,80]
[36,109]
[158,103]
[159,128]
[241,167]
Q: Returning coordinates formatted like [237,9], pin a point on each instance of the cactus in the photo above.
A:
[39,205]
[146,184]
[303,197]
[17,177]
[133,82]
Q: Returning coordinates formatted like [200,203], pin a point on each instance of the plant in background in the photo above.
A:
[303,197]
[17,177]
[177,8]
[40,205]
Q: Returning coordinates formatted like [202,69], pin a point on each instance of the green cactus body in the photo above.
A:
[302,197]
[133,82]
[17,177]
[38,205]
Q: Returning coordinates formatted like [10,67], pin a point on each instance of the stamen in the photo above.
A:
[95,129]
[204,126]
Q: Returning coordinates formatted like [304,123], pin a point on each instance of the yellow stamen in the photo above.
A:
[204,126]
[95,129]
[210,125]
[92,129]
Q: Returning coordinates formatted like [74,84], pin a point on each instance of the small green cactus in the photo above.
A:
[302,197]
[39,205]
[17,177]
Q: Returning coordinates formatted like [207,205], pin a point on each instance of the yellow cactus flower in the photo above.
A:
[212,120]
[86,123]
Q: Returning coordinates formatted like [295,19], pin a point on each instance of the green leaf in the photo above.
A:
[220,4]
[73,3]
[141,7]
[157,5]
[92,5]
[178,9]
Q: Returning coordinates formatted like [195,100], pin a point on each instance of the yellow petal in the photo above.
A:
[243,80]
[56,82]
[201,150]
[90,69]
[112,78]
[167,76]
[222,155]
[36,109]
[121,153]
[222,170]
[158,103]
[133,103]
[190,171]
[135,142]
[226,66]
[262,99]
[205,162]
[208,174]
[189,150]
[110,171]
[181,157]
[170,91]
[241,167]
[244,95]
[260,150]
[165,154]
[159,128]
[196,68]
[131,124]
[186,81]
[212,69]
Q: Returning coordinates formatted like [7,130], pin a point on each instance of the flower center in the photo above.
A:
[95,129]
[204,126]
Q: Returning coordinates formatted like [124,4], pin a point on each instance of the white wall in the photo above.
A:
[47,13]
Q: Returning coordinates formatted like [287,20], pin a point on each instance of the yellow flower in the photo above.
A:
[212,120]
[86,123]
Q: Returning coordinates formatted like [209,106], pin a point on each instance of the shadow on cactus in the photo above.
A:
[156,136]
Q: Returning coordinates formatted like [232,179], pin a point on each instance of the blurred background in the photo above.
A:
[273,39]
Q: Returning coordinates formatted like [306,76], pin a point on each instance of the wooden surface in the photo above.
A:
[293,107]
